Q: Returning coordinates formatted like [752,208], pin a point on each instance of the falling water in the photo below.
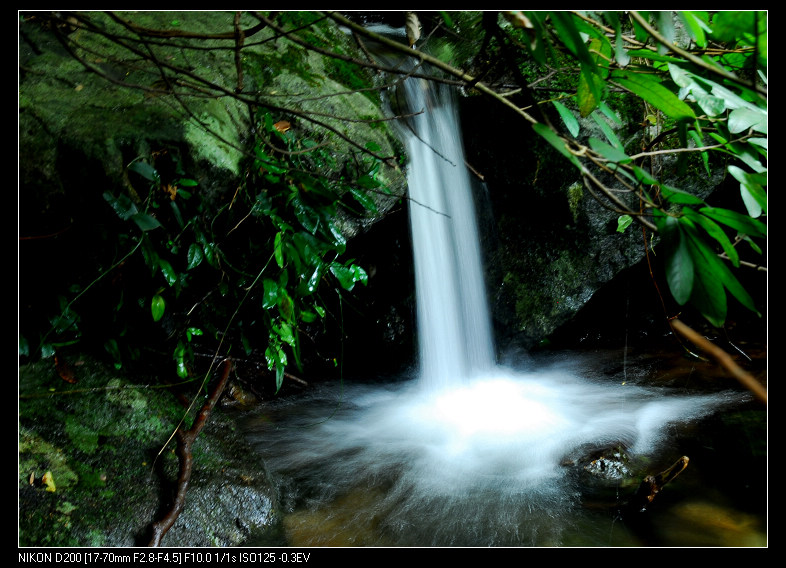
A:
[453,324]
[467,452]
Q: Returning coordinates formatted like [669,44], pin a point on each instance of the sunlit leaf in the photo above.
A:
[742,119]
[696,24]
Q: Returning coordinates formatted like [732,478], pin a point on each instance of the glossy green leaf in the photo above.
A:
[364,199]
[715,278]
[157,307]
[169,273]
[194,257]
[655,56]
[193,331]
[644,176]
[570,36]
[269,293]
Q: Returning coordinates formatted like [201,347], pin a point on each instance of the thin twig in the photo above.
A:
[723,359]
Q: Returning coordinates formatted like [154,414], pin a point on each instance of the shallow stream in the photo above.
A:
[550,456]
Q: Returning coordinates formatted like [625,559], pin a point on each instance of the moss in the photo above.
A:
[575,194]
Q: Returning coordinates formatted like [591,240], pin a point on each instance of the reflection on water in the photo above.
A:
[497,462]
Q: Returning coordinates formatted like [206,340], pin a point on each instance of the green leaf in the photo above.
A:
[588,91]
[623,222]
[122,205]
[169,273]
[696,24]
[570,37]
[611,153]
[607,130]
[652,91]
[364,199]
[654,56]
[736,221]
[157,307]
[277,250]
[269,294]
[145,170]
[644,176]
[551,137]
[679,261]
[675,195]
[145,221]
[741,119]
[192,331]
[348,276]
[567,118]
[753,194]
[715,231]
[716,277]
[194,256]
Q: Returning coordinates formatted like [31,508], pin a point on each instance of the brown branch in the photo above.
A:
[185,441]
[723,359]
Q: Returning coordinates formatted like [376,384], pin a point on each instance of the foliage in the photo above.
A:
[245,271]
[268,252]
[259,262]
[700,82]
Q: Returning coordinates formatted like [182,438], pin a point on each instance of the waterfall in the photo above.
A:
[454,329]
[470,453]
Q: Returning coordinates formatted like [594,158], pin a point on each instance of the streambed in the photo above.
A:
[385,464]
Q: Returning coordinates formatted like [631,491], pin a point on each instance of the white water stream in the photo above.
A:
[468,452]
